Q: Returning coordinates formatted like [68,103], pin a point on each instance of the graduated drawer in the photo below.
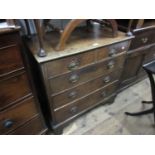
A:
[83,104]
[8,39]
[70,63]
[84,89]
[112,50]
[32,127]
[13,89]
[143,37]
[72,79]
[10,59]
[17,115]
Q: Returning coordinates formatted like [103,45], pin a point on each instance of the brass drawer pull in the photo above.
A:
[74,78]
[144,40]
[111,64]
[73,64]
[107,79]
[112,52]
[73,110]
[103,94]
[8,123]
[72,94]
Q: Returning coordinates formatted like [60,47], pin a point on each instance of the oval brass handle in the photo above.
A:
[72,94]
[74,78]
[73,64]
[111,64]
[103,94]
[144,40]
[74,109]
[112,52]
[106,79]
[8,123]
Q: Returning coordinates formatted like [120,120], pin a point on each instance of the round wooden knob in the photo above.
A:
[8,123]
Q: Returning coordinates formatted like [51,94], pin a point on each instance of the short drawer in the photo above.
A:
[72,79]
[83,104]
[84,89]
[33,127]
[112,50]
[10,60]
[67,64]
[13,89]
[143,37]
[15,116]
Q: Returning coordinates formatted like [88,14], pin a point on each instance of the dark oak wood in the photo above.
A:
[18,114]
[71,63]
[32,127]
[14,89]
[85,74]
[10,63]
[74,78]
[141,51]
[83,89]
[18,102]
[78,106]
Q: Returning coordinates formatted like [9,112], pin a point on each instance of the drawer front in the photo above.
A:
[142,38]
[84,103]
[13,89]
[70,63]
[111,51]
[10,60]
[83,75]
[33,127]
[150,55]
[84,89]
[9,39]
[15,116]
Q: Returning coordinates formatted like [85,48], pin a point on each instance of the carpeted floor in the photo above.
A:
[111,120]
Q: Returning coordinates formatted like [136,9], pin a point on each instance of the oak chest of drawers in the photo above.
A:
[19,109]
[80,77]
[141,51]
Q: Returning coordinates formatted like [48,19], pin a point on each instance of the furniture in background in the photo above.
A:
[150,70]
[83,75]
[20,112]
[65,34]
[141,50]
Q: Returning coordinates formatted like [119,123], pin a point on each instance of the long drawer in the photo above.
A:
[74,78]
[17,115]
[13,89]
[77,107]
[84,89]
[33,127]
[70,63]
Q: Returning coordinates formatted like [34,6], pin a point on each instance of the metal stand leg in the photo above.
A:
[140,113]
[147,102]
[152,110]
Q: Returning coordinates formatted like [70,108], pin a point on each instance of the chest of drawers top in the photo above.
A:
[81,41]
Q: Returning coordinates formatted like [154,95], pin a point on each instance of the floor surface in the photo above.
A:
[111,120]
